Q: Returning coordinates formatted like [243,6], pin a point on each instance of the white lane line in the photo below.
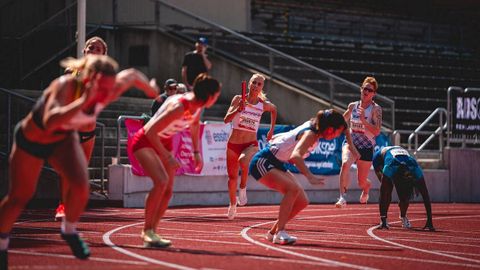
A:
[56,255]
[106,240]
[370,232]
[389,257]
[313,258]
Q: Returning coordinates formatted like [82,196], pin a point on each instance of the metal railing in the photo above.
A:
[442,125]
[121,140]
[9,134]
[313,80]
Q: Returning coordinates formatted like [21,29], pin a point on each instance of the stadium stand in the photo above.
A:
[414,55]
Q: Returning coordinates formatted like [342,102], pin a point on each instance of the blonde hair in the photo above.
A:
[263,96]
[92,63]
[372,81]
[99,39]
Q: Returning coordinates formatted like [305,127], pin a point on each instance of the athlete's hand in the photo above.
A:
[361,112]
[241,106]
[198,162]
[173,162]
[429,226]
[383,226]
[269,135]
[153,84]
[316,180]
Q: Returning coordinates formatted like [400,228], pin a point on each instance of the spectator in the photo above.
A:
[181,88]
[195,62]
[169,88]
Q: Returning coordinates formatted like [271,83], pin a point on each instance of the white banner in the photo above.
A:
[214,148]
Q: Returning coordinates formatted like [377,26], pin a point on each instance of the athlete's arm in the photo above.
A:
[235,107]
[308,139]
[270,107]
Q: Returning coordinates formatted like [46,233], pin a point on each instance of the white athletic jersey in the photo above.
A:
[282,144]
[176,125]
[362,137]
[249,118]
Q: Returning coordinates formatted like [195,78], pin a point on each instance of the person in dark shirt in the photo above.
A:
[195,62]
[169,88]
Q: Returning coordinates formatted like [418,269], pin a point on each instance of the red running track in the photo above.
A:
[203,238]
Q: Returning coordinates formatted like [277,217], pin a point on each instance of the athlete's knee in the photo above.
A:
[303,200]
[232,178]
[168,192]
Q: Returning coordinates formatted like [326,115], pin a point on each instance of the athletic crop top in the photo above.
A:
[282,144]
[77,121]
[249,118]
[361,137]
[176,125]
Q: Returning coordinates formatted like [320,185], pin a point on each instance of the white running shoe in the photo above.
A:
[282,238]
[242,196]
[341,203]
[232,211]
[269,237]
[406,223]
[364,197]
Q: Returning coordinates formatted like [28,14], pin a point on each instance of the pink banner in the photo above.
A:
[182,149]
[133,125]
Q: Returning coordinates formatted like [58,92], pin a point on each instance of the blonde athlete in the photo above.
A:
[242,143]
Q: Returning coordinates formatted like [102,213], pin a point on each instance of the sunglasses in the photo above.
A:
[257,83]
[370,90]
[172,88]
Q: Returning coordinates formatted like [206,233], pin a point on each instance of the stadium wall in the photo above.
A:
[212,190]
[234,14]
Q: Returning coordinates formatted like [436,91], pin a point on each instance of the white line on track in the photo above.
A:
[389,257]
[313,258]
[370,232]
[106,240]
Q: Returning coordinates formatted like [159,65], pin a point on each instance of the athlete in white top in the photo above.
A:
[245,117]
[365,120]
[268,166]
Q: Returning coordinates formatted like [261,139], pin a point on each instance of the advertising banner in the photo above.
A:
[214,148]
[465,112]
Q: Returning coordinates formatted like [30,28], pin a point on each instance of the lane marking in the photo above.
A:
[106,240]
[373,235]
[245,235]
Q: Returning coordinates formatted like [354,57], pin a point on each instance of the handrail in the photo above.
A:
[120,120]
[56,55]
[442,112]
[60,12]
[271,51]
[102,126]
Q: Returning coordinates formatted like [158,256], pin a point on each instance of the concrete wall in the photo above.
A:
[212,190]
[165,59]
[464,167]
[234,14]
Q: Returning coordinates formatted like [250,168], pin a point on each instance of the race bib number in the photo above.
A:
[357,126]
[399,152]
[247,123]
